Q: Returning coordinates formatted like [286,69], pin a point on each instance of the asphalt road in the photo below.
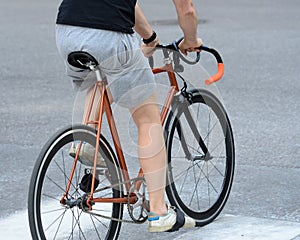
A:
[259,41]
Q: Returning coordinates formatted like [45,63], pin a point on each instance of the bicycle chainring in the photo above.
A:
[138,210]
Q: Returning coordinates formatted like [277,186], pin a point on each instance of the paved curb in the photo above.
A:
[229,227]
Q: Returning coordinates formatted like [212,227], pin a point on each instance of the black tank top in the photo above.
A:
[114,15]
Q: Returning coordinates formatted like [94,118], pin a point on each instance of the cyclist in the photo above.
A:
[106,29]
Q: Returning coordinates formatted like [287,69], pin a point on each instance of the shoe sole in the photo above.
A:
[167,228]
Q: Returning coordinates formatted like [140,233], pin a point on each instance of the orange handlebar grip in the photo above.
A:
[217,76]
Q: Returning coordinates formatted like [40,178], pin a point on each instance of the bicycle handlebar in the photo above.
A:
[218,57]
[214,52]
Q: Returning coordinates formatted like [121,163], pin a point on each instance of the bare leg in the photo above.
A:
[152,152]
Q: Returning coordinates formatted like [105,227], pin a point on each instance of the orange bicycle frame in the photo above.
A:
[105,107]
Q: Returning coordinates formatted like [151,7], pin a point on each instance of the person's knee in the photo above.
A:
[146,114]
[146,118]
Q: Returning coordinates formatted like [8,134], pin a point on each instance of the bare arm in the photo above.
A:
[143,28]
[188,22]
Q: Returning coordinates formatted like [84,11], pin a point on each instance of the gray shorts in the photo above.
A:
[120,58]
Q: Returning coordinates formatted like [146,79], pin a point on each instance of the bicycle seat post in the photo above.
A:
[95,69]
[98,75]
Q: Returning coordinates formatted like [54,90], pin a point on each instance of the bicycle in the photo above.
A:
[68,199]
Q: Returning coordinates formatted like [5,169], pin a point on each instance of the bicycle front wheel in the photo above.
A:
[49,218]
[200,150]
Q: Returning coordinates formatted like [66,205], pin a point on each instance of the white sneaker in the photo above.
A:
[86,155]
[174,220]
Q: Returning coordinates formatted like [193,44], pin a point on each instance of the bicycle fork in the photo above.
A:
[183,102]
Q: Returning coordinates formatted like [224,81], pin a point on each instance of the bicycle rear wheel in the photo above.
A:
[48,218]
[200,151]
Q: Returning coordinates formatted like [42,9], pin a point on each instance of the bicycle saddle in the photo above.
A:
[82,60]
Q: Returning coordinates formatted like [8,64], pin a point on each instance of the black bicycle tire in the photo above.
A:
[43,162]
[206,97]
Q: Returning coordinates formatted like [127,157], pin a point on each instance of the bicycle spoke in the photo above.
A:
[195,189]
[73,225]
[65,176]
[51,211]
[195,140]
[64,166]
[55,183]
[189,145]
[77,222]
[95,228]
[196,185]
[206,138]
[51,197]
[58,228]
[78,176]
[104,195]
[75,194]
[185,177]
[208,180]
[182,172]
[180,157]
[218,144]
[104,225]
[208,126]
[60,216]
[217,169]
[79,225]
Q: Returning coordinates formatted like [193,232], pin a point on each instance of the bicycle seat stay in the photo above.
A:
[82,60]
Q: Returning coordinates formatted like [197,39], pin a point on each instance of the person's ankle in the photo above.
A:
[161,211]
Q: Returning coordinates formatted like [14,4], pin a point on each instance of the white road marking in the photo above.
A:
[226,227]
[230,227]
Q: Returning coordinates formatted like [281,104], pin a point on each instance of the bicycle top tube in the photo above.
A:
[173,47]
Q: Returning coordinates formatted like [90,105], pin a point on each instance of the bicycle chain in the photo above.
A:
[111,218]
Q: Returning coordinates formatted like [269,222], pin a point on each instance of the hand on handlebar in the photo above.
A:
[148,49]
[186,46]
